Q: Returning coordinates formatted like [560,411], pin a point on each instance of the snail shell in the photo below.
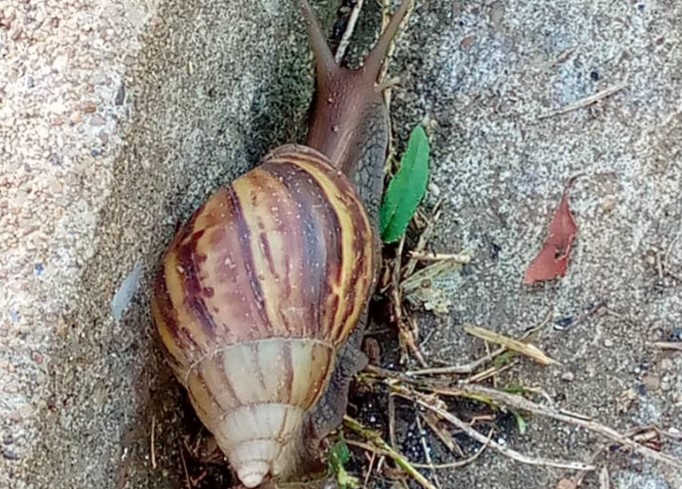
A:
[261,298]
[257,292]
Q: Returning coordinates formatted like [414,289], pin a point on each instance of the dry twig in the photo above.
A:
[587,101]
[527,349]
[668,345]
[184,467]
[424,256]
[152,443]
[435,405]
[348,33]
[521,403]
[467,368]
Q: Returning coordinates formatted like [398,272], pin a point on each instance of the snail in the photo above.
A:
[261,297]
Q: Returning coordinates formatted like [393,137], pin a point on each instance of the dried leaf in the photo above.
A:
[527,349]
[552,261]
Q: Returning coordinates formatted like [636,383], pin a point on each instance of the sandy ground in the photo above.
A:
[118,118]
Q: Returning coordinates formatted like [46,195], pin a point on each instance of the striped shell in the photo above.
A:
[256,294]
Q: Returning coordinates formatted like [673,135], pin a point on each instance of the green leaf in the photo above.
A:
[406,189]
[521,423]
[339,456]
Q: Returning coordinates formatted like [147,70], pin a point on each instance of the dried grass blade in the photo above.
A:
[526,349]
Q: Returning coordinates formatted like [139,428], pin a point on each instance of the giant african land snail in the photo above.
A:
[262,296]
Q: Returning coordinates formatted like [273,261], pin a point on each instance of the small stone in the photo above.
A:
[76,117]
[97,120]
[60,62]
[568,376]
[666,364]
[37,357]
[608,204]
[56,186]
[10,454]
[88,107]
[608,343]
[467,42]
[652,382]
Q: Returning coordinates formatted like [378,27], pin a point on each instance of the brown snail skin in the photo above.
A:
[261,297]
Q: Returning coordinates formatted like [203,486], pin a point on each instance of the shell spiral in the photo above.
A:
[255,295]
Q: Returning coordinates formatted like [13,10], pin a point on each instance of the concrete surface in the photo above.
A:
[482,73]
[118,117]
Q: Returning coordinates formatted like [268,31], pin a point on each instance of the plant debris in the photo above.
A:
[552,261]
[526,349]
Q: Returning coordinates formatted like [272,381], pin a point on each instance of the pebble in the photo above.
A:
[97,120]
[10,454]
[608,343]
[652,382]
[60,62]
[88,107]
[666,364]
[568,376]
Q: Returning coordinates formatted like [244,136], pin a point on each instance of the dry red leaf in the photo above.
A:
[552,261]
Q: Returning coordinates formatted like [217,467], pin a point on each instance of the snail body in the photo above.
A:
[261,297]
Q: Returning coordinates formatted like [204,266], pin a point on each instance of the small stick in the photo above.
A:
[519,402]
[526,349]
[513,454]
[391,419]
[491,372]
[151,442]
[425,447]
[467,368]
[444,436]
[386,18]
[385,449]
[184,467]
[587,101]
[563,56]
[423,238]
[461,463]
[604,479]
[471,367]
[369,469]
[348,33]
[669,251]
[425,256]
[668,345]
